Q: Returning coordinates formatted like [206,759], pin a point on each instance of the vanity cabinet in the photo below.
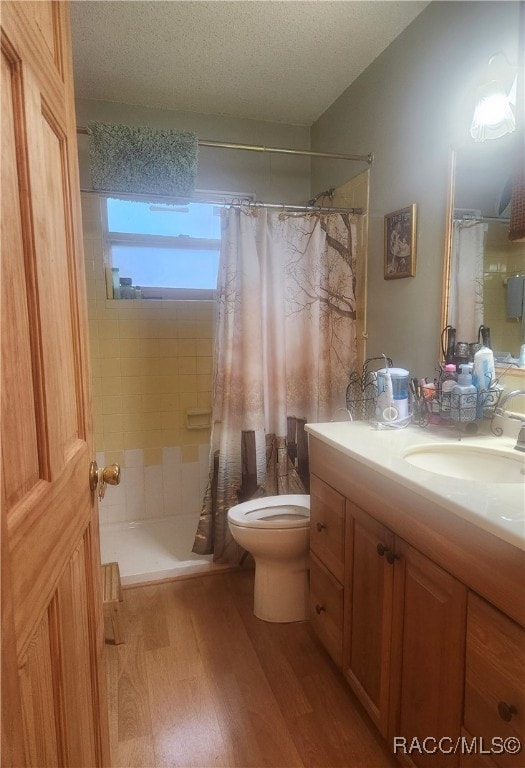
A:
[432,632]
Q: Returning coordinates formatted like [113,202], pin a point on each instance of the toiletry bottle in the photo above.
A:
[463,397]
[484,375]
[449,378]
[126,291]
[116,282]
[484,333]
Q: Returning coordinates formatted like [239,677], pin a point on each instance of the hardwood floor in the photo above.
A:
[201,682]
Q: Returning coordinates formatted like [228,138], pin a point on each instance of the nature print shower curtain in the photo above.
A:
[285,345]
[465,310]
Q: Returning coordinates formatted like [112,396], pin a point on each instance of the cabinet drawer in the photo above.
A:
[327,526]
[495,678]
[326,609]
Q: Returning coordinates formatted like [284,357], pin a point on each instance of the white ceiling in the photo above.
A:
[285,61]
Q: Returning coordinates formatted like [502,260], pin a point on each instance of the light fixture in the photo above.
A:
[494,114]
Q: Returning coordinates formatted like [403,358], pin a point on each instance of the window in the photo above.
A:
[168,251]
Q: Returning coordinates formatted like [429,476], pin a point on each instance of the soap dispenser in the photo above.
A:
[463,397]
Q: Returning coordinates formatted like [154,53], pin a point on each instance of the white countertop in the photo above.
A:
[498,508]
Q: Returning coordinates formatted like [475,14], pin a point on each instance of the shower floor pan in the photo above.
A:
[154,549]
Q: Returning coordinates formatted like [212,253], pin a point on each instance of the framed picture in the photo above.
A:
[400,243]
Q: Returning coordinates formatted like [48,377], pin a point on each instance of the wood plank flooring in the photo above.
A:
[201,682]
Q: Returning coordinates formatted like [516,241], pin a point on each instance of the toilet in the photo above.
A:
[276,531]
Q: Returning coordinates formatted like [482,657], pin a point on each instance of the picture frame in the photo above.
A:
[400,243]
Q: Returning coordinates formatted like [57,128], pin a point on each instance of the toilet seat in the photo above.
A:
[275,512]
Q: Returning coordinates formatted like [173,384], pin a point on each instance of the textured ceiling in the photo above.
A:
[284,61]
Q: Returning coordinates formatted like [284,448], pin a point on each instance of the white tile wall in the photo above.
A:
[160,490]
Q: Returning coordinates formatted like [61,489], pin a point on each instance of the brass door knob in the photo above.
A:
[100,478]
[93,476]
[110,474]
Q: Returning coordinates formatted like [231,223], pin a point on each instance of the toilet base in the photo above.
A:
[281,590]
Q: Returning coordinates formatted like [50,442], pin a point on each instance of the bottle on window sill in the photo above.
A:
[116,283]
[126,289]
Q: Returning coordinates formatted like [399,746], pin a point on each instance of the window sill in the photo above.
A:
[174,294]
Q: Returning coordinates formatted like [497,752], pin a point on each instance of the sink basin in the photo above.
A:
[469,462]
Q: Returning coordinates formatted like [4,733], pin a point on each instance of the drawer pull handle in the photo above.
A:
[320,526]
[505,711]
[319,609]
[391,557]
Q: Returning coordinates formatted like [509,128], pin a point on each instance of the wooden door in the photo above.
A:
[428,643]
[368,596]
[53,691]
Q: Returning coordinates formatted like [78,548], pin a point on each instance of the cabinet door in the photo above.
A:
[495,681]
[327,526]
[428,644]
[369,590]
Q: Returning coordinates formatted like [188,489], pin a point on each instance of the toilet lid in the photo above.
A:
[290,511]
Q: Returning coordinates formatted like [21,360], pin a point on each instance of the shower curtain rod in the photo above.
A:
[299,208]
[275,150]
[481,219]
[226,203]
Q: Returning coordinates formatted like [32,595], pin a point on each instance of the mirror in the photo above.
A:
[481,258]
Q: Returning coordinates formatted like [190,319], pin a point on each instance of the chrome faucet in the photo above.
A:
[500,411]
[520,442]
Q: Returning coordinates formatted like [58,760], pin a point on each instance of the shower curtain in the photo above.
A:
[285,345]
[465,309]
